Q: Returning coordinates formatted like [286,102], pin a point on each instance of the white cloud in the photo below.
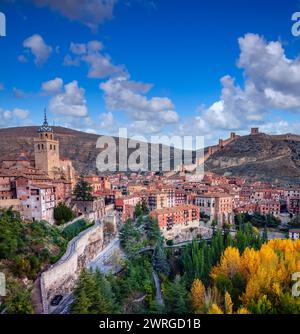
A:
[272,81]
[18,93]
[22,59]
[69,61]
[78,48]
[52,86]
[13,117]
[107,120]
[100,65]
[128,96]
[38,48]
[71,102]
[20,113]
[89,12]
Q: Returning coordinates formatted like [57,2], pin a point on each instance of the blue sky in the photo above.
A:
[156,67]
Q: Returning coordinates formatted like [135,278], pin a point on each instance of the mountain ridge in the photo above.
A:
[274,158]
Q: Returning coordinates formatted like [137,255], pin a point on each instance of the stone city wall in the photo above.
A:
[62,276]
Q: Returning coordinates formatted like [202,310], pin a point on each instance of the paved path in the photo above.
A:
[102,261]
[159,297]
[64,306]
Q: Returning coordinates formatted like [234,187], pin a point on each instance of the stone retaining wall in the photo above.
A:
[62,276]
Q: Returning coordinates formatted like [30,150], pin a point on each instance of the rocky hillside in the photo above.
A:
[260,157]
[80,147]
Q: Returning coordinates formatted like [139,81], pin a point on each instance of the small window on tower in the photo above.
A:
[39,147]
[50,147]
[54,147]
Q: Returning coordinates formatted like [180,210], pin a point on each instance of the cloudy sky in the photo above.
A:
[153,66]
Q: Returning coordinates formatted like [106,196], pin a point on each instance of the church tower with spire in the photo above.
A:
[46,149]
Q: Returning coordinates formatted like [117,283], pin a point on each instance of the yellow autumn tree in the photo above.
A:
[267,273]
[242,310]
[229,265]
[215,309]
[228,303]
[273,272]
[198,296]
[250,262]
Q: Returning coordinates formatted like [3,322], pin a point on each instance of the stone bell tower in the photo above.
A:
[46,150]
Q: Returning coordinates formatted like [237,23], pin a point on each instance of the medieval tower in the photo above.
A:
[46,150]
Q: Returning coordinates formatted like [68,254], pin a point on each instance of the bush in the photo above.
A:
[63,214]
[170,242]
[74,229]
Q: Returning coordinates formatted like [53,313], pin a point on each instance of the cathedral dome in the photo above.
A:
[22,157]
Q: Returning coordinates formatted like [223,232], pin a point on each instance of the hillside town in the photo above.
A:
[36,187]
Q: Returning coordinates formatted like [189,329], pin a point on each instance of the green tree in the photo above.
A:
[93,295]
[18,300]
[145,208]
[82,303]
[130,238]
[63,214]
[138,210]
[160,260]
[176,297]
[83,191]
[214,224]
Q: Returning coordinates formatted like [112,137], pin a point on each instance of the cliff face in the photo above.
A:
[259,157]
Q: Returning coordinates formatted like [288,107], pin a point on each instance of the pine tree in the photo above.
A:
[160,260]
[81,304]
[176,297]
[83,191]
[265,234]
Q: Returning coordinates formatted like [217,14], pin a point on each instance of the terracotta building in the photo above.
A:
[178,215]
[217,206]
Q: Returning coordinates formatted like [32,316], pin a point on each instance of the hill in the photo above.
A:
[80,147]
[259,157]
[255,157]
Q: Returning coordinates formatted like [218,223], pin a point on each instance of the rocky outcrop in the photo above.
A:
[259,157]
